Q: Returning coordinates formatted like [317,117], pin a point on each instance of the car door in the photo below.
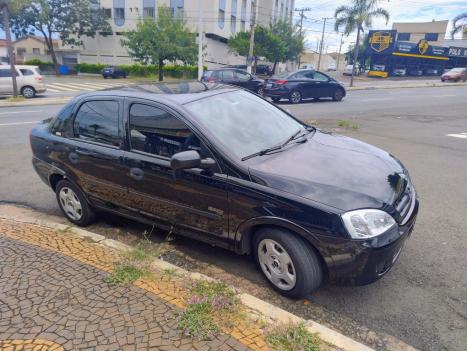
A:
[303,83]
[228,77]
[322,87]
[245,80]
[94,150]
[6,82]
[192,200]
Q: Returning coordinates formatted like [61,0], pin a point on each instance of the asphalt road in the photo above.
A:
[423,300]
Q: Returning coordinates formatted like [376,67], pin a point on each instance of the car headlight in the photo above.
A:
[364,224]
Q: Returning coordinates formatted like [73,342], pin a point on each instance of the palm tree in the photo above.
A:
[459,24]
[360,13]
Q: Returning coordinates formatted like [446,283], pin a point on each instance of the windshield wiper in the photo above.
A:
[298,134]
[263,152]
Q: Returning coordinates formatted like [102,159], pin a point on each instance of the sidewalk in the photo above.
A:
[58,290]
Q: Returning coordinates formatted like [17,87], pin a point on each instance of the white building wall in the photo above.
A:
[108,49]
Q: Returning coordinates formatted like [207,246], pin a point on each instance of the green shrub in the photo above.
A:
[139,70]
[43,65]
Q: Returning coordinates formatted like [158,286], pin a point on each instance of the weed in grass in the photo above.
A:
[197,321]
[213,290]
[171,273]
[347,124]
[125,273]
[143,252]
[292,337]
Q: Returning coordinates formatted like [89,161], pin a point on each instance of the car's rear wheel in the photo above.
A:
[73,203]
[260,91]
[287,262]
[28,92]
[338,95]
[295,97]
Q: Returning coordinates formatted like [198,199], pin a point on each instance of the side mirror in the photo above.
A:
[191,159]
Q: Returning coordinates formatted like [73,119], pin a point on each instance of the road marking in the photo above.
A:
[17,123]
[375,99]
[441,96]
[460,135]
[60,86]
[14,112]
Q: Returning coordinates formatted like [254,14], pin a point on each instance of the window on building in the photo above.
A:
[431,36]
[403,36]
[119,13]
[107,13]
[177,7]
[156,131]
[36,51]
[148,12]
[221,17]
[276,8]
[243,16]
[233,17]
[20,51]
[98,121]
[282,9]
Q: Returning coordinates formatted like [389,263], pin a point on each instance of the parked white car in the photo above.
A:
[306,66]
[332,67]
[348,70]
[30,81]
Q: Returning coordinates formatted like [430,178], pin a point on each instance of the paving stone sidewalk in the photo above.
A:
[54,296]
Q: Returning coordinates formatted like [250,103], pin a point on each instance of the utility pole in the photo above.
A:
[322,41]
[249,61]
[339,55]
[200,42]
[302,16]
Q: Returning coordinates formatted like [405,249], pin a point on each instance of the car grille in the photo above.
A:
[406,203]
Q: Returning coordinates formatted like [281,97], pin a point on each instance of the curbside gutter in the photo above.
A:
[36,102]
[406,86]
[264,308]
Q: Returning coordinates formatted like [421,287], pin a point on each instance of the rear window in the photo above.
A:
[26,72]
[98,121]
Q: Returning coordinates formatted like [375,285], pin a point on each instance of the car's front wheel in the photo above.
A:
[295,97]
[73,203]
[28,92]
[260,91]
[287,262]
[338,95]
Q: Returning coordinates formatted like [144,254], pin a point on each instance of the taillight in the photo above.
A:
[39,78]
[281,81]
[211,80]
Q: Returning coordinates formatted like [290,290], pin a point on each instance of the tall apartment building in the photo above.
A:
[220,20]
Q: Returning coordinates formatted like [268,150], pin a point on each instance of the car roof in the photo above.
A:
[21,66]
[179,93]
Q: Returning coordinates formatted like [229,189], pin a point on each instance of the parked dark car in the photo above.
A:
[301,85]
[113,72]
[415,72]
[260,69]
[236,77]
[222,165]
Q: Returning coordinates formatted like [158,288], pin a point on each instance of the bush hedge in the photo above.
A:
[43,65]
[175,71]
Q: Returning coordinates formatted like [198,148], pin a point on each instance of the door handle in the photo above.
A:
[136,173]
[84,152]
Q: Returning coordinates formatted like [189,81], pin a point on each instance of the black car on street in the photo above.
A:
[301,85]
[236,77]
[219,164]
[113,72]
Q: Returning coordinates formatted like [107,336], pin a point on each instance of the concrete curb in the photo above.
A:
[36,102]
[408,86]
[264,308]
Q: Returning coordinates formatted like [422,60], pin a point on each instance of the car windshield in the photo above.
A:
[242,122]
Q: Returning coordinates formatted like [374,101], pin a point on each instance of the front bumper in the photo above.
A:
[360,262]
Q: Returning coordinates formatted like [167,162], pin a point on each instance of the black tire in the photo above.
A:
[87,214]
[28,92]
[295,97]
[276,99]
[105,77]
[338,95]
[260,91]
[306,265]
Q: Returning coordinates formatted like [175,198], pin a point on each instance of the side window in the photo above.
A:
[61,124]
[5,73]
[298,75]
[156,131]
[98,121]
[321,77]
[227,75]
[26,72]
[310,75]
[242,75]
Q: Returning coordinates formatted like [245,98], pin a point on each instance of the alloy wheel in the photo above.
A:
[276,264]
[70,203]
[296,97]
[28,92]
[260,91]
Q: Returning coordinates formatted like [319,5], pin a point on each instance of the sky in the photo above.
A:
[399,10]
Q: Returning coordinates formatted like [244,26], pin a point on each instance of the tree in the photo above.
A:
[68,20]
[291,39]
[360,13]
[167,38]
[459,24]
[7,7]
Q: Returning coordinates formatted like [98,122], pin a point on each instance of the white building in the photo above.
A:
[220,20]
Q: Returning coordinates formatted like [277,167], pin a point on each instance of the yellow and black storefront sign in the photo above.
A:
[380,41]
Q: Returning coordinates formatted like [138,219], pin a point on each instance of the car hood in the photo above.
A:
[333,170]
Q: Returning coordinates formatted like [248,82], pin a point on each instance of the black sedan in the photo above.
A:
[222,165]
[113,72]
[236,77]
[302,85]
